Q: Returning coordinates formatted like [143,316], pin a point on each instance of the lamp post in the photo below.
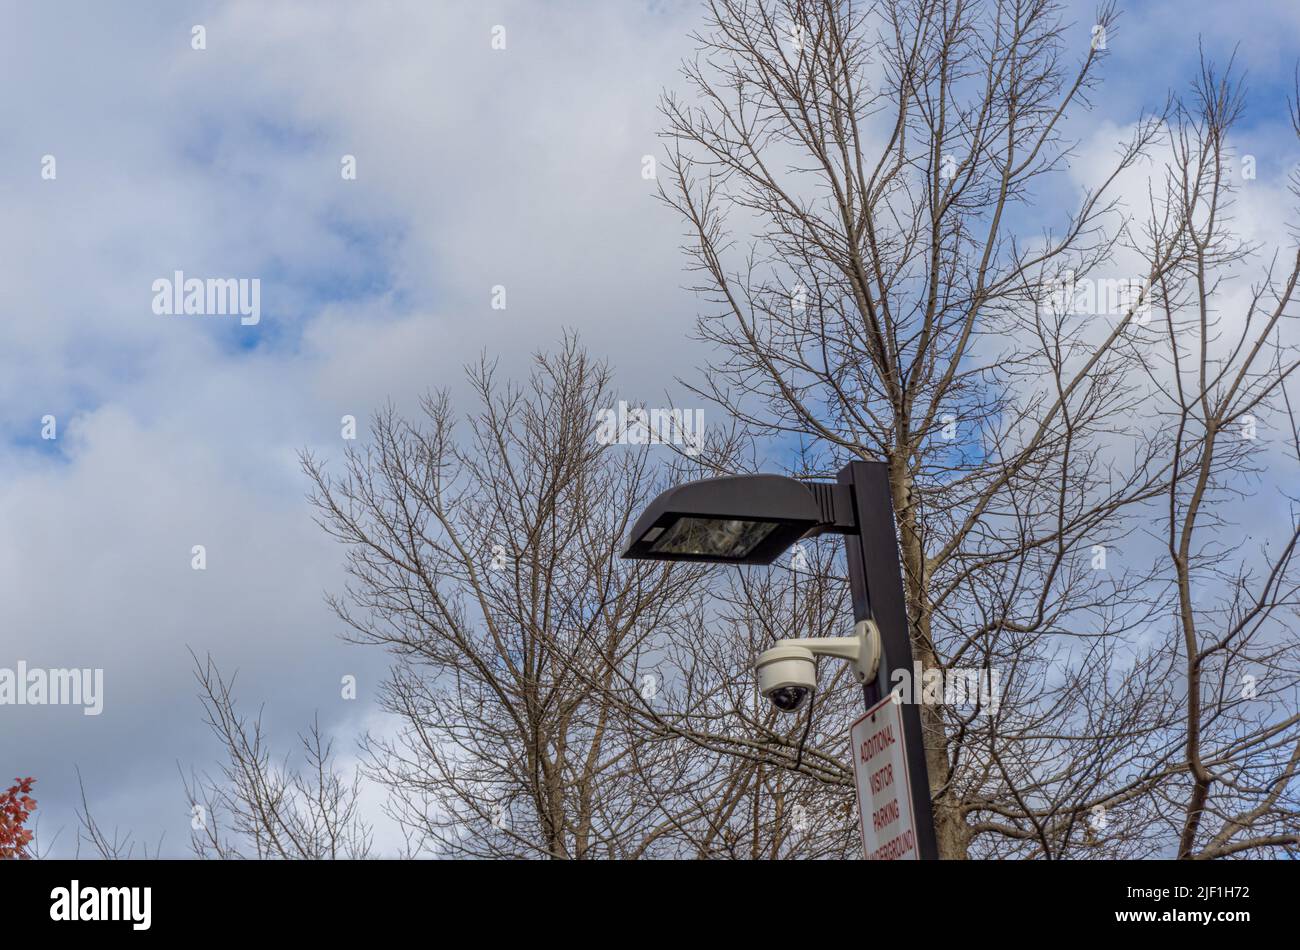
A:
[753,519]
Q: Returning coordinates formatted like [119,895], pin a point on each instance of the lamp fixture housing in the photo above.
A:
[738,519]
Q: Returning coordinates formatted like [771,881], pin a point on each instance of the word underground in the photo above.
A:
[37,687]
[103,903]
[215,296]
[632,425]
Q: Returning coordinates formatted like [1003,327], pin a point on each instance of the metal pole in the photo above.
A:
[876,581]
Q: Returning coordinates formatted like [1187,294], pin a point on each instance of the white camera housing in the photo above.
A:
[787,673]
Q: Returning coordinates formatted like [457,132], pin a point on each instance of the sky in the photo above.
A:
[476,168]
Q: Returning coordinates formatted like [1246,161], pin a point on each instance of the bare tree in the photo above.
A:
[115,845]
[1225,370]
[899,297]
[257,808]
[485,558]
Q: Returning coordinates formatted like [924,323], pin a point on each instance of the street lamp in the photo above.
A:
[738,519]
[753,519]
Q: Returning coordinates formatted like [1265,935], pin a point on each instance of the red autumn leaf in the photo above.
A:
[16,806]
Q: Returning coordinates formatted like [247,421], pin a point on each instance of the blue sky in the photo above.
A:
[475,167]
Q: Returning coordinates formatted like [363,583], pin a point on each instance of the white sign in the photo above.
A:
[884,787]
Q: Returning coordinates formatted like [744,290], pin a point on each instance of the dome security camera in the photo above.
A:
[787,673]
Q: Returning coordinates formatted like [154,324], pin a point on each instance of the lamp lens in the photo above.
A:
[713,537]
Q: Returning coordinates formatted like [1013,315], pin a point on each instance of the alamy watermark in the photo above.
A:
[213,296]
[633,425]
[40,687]
[1102,297]
[958,686]
[75,902]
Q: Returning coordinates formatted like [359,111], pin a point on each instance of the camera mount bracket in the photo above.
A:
[861,648]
